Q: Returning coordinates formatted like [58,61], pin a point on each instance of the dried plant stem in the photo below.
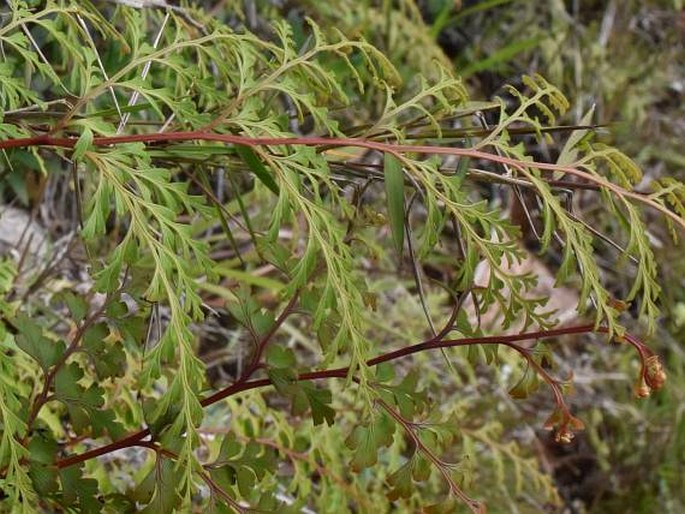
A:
[431,344]
[395,149]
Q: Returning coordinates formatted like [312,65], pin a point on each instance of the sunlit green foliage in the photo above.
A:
[212,167]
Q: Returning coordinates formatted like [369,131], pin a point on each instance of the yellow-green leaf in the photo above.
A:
[569,153]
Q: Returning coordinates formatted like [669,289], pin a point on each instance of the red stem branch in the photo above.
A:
[256,360]
[245,385]
[392,148]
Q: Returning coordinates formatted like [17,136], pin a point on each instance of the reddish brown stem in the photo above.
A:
[128,441]
[263,343]
[391,148]
[449,343]
[43,396]
[242,386]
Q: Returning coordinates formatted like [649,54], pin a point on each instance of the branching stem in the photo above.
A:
[395,149]
[431,344]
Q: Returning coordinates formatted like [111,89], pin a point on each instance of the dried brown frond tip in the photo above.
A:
[564,435]
[642,390]
[567,429]
[654,374]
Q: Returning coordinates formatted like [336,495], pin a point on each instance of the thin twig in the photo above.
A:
[261,346]
[475,506]
[242,386]
[42,397]
[392,148]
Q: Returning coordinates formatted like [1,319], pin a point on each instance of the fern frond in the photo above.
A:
[434,101]
[671,193]
[510,465]
[12,453]
[544,97]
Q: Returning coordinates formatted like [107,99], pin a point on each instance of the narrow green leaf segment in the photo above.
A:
[394,192]
[253,162]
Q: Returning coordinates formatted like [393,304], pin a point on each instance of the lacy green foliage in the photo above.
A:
[397,29]
[13,424]
[134,103]
[599,160]
[672,192]
[620,64]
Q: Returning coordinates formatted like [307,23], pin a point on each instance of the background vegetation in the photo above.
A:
[342,257]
